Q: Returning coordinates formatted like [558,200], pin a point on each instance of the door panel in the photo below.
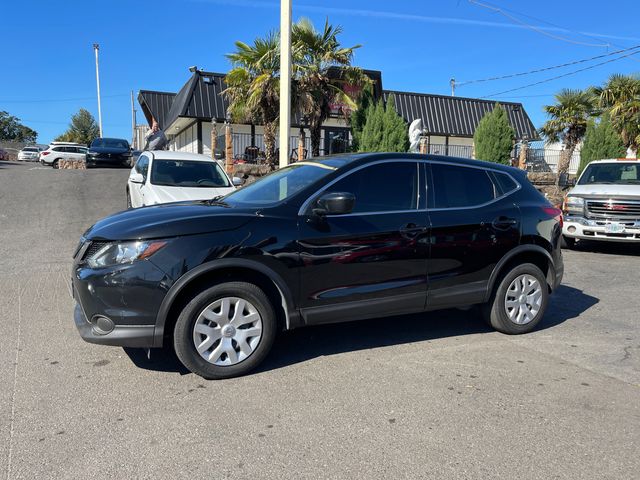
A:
[369,258]
[467,242]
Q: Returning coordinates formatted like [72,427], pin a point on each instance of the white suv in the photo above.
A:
[62,150]
[604,204]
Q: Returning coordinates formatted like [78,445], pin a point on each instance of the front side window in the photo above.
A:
[385,187]
[186,173]
[457,187]
[618,173]
[283,183]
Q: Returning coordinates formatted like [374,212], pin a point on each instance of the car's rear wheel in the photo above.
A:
[519,301]
[55,163]
[567,242]
[225,331]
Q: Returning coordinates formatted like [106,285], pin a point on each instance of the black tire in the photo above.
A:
[128,199]
[495,311]
[567,242]
[55,163]
[183,341]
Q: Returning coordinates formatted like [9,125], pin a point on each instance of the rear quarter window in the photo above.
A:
[504,183]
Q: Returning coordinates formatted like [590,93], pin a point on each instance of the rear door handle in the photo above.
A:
[503,223]
[411,230]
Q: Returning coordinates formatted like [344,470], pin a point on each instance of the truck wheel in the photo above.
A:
[519,301]
[225,331]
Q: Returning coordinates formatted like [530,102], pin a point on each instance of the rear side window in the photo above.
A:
[504,182]
[457,187]
[384,187]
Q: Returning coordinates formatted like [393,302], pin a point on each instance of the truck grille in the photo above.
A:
[623,209]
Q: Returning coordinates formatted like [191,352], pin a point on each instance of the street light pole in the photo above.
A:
[96,47]
[285,80]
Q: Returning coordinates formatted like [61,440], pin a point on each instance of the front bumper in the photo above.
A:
[114,160]
[126,297]
[136,336]
[588,229]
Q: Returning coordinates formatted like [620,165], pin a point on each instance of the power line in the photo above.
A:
[519,74]
[534,28]
[54,100]
[561,76]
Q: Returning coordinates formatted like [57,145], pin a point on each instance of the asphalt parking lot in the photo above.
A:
[437,395]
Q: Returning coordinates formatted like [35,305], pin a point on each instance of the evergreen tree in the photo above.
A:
[396,133]
[373,131]
[494,137]
[12,130]
[383,130]
[600,142]
[83,129]
[358,119]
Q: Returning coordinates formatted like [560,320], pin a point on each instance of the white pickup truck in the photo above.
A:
[604,204]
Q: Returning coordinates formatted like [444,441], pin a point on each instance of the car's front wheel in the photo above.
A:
[519,301]
[567,242]
[225,331]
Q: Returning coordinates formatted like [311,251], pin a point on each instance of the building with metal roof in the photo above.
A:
[187,117]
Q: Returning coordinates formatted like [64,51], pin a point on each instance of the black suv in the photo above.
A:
[109,152]
[331,240]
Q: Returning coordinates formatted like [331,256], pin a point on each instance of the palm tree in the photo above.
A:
[567,123]
[253,87]
[620,95]
[315,53]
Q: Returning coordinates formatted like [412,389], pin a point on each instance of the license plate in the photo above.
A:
[614,228]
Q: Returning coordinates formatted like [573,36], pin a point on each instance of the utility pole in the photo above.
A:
[133,123]
[96,47]
[453,87]
[285,80]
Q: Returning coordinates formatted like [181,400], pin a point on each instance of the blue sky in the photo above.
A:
[47,60]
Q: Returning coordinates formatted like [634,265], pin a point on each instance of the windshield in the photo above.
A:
[280,184]
[110,143]
[184,173]
[623,173]
[30,149]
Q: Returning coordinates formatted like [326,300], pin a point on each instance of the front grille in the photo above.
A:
[93,248]
[624,209]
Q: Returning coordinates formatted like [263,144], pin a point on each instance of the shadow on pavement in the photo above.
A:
[611,248]
[311,342]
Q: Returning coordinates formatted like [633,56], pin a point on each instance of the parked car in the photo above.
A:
[217,279]
[29,154]
[4,155]
[605,203]
[164,176]
[109,152]
[62,150]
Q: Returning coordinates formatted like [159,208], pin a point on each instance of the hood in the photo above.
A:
[169,220]
[165,194]
[116,150]
[606,190]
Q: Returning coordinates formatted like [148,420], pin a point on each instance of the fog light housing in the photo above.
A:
[571,229]
[102,325]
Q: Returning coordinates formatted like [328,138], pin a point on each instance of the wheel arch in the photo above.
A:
[219,271]
[534,254]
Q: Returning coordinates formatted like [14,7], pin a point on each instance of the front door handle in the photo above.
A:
[411,230]
[504,223]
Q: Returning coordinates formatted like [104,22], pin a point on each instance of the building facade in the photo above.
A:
[189,116]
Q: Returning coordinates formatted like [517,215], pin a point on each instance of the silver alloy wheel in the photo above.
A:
[227,331]
[523,299]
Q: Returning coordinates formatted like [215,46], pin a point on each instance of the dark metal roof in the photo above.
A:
[200,98]
[457,116]
[155,105]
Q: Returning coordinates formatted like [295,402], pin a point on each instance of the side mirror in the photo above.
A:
[237,181]
[136,177]
[335,203]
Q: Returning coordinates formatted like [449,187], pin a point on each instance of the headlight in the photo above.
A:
[574,205]
[122,253]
